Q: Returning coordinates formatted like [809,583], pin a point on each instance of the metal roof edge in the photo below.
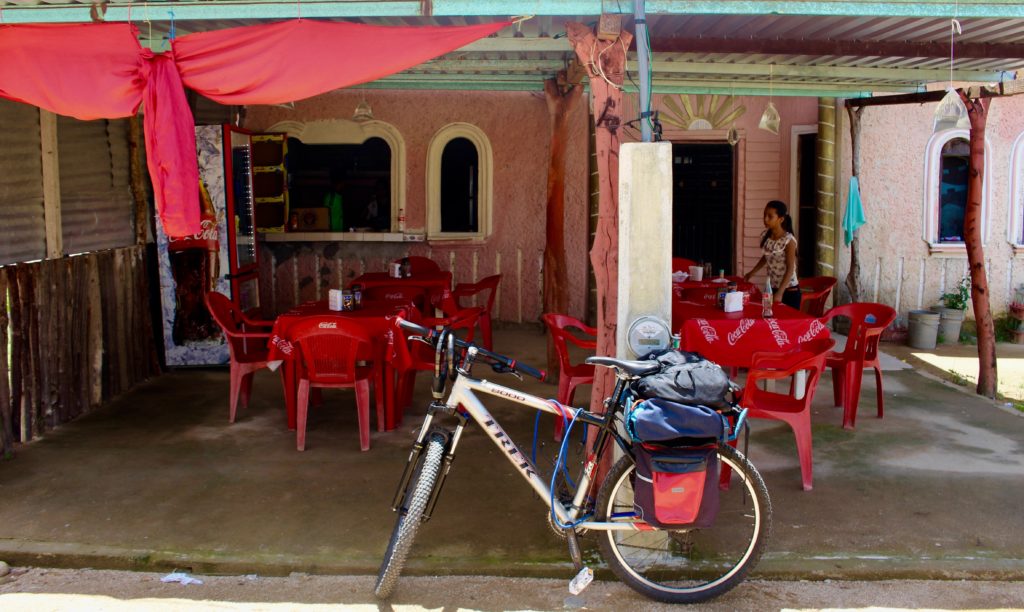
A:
[202,10]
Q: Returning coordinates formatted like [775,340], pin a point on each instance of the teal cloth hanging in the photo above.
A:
[853,218]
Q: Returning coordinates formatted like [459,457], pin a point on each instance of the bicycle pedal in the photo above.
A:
[581,580]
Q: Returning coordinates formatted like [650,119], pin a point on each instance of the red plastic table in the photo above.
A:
[706,291]
[732,338]
[375,319]
[430,281]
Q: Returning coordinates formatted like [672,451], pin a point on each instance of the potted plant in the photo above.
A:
[954,305]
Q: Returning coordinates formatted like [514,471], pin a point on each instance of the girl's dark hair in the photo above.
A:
[781,210]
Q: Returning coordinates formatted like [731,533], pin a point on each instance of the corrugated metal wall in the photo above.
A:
[96,202]
[21,187]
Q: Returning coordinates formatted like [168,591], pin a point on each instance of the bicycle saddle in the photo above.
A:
[633,368]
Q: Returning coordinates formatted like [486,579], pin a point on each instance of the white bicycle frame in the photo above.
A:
[463,393]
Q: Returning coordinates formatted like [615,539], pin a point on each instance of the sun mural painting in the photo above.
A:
[701,112]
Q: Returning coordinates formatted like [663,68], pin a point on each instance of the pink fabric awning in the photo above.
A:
[93,71]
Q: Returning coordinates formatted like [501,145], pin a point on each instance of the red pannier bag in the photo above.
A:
[676,487]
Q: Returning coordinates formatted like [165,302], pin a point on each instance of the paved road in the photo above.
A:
[42,590]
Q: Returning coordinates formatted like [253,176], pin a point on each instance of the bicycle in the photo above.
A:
[684,565]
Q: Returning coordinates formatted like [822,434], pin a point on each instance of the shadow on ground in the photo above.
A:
[159,480]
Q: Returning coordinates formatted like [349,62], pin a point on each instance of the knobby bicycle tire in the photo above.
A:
[687,565]
[408,523]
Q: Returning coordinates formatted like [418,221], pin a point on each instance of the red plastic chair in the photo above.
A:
[796,412]
[328,349]
[397,295]
[682,264]
[419,264]
[867,321]
[247,346]
[412,357]
[570,376]
[814,293]
[466,290]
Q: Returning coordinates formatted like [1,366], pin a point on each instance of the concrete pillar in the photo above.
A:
[825,186]
[645,236]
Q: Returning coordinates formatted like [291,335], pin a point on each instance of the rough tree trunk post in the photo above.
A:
[561,95]
[977,112]
[605,61]
[853,277]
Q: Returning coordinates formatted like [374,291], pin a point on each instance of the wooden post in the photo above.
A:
[977,112]
[605,61]
[51,184]
[137,165]
[853,277]
[6,411]
[561,98]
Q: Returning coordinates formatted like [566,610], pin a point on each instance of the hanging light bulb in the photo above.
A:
[770,118]
[363,112]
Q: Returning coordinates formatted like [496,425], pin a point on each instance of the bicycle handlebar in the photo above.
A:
[506,363]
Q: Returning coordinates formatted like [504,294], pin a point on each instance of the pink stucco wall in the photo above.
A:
[517,125]
[897,266]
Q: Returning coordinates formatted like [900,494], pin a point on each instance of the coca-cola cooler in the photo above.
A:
[222,257]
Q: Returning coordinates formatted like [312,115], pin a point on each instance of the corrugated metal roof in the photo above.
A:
[825,48]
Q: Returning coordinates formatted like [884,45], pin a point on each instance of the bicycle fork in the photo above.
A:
[452,440]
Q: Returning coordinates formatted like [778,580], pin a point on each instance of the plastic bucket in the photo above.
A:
[951,319]
[923,329]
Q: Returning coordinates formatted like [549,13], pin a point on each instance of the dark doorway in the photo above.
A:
[359,173]
[807,207]
[702,204]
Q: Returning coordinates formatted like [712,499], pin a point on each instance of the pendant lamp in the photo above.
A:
[363,112]
[770,118]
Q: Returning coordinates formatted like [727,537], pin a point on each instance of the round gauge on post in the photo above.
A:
[646,334]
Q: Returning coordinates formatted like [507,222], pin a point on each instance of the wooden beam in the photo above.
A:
[1008,88]
[51,184]
[837,47]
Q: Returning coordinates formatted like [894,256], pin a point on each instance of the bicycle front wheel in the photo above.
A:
[410,516]
[687,565]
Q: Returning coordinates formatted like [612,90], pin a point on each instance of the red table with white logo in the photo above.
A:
[732,338]
[376,319]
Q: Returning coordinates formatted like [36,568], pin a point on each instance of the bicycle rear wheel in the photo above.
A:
[687,565]
[410,516]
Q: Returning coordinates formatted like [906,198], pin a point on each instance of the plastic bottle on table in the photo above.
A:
[766,300]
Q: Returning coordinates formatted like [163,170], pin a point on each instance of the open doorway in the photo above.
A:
[702,203]
[806,205]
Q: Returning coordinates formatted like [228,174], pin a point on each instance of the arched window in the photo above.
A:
[1015,225]
[459,182]
[945,196]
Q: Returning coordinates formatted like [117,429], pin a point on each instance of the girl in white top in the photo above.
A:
[779,247]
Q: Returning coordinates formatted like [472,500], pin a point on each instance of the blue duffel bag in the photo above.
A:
[661,420]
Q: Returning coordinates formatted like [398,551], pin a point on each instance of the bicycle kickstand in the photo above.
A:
[584,575]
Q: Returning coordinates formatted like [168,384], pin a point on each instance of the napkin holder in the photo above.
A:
[733,301]
[334,301]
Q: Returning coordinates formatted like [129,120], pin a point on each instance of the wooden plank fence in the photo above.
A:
[79,333]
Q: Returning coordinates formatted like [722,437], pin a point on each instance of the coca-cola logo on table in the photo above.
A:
[282,345]
[812,332]
[710,333]
[741,329]
[780,336]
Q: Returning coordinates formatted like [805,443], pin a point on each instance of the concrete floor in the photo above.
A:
[160,480]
